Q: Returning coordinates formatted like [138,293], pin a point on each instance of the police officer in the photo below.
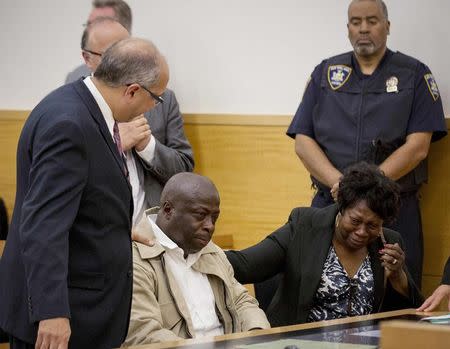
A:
[376,105]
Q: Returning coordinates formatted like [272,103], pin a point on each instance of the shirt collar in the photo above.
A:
[388,53]
[104,107]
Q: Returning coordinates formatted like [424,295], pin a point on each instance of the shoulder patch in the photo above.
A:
[338,75]
[432,86]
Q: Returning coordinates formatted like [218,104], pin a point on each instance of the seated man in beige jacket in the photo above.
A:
[184,285]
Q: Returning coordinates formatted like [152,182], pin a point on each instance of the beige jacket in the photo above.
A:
[159,312]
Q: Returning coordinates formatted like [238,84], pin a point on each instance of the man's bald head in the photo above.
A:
[98,36]
[189,210]
[186,185]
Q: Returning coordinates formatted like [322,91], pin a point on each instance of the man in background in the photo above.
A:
[117,9]
[376,105]
[68,254]
[101,33]
[155,145]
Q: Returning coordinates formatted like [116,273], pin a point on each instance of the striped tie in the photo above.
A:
[116,136]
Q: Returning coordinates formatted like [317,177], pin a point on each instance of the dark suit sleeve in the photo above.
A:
[173,153]
[3,220]
[57,176]
[446,275]
[265,259]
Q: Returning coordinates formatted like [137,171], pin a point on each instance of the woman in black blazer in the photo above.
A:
[337,261]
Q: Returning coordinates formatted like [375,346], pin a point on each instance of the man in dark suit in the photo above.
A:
[155,145]
[68,254]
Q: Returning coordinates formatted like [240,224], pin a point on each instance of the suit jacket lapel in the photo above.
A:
[97,116]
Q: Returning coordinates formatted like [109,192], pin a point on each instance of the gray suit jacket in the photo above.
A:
[173,153]
[78,72]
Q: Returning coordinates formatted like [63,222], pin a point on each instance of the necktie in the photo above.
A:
[116,136]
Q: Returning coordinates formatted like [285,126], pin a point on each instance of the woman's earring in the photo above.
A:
[337,220]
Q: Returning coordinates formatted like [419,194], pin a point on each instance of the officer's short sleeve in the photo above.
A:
[427,113]
[302,123]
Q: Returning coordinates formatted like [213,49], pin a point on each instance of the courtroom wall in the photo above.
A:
[234,56]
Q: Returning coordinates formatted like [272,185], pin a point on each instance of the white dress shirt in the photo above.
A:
[194,286]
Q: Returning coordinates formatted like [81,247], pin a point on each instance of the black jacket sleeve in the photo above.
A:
[446,276]
[266,258]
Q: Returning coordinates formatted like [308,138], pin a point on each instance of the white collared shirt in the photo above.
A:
[136,173]
[104,107]
[192,284]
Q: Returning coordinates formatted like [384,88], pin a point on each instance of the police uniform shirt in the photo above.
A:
[355,110]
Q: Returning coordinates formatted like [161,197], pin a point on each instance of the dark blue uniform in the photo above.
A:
[355,117]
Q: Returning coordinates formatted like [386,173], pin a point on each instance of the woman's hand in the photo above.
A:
[432,302]
[393,260]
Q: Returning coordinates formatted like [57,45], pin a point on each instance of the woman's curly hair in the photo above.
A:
[366,182]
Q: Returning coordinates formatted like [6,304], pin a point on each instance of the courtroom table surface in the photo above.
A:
[304,331]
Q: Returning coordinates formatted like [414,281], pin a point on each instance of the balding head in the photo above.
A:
[98,36]
[132,60]
[130,73]
[189,210]
[186,185]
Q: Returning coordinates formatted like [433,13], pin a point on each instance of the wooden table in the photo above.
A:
[296,331]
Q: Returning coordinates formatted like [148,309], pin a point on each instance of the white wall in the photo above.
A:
[226,56]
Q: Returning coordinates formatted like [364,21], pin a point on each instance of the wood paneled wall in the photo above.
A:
[260,179]
[11,123]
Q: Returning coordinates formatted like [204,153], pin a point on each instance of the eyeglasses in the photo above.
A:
[93,52]
[158,99]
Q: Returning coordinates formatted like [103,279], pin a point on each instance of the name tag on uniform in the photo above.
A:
[392,84]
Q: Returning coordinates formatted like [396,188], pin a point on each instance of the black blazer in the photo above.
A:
[299,250]
[446,275]
[3,220]
[68,252]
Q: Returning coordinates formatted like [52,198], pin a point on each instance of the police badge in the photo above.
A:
[432,86]
[338,75]
[392,84]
